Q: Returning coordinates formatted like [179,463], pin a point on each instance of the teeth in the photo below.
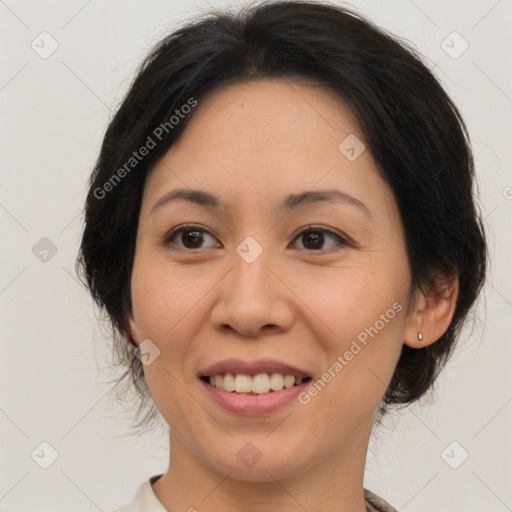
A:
[276,381]
[259,384]
[243,383]
[289,381]
[229,383]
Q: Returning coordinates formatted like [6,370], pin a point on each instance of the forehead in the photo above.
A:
[268,138]
[280,111]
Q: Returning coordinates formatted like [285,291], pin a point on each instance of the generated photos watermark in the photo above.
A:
[355,347]
[139,155]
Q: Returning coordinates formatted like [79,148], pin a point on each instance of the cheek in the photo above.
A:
[165,310]
[162,297]
[166,305]
[362,313]
[348,301]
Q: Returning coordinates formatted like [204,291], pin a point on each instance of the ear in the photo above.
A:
[432,311]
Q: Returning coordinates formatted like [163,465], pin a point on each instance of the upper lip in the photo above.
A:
[238,366]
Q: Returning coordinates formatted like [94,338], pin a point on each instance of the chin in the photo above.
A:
[258,461]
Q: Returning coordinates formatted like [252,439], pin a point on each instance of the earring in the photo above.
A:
[420,335]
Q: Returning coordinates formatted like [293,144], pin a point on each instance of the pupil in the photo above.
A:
[193,237]
[316,237]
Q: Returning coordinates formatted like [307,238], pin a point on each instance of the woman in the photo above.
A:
[282,231]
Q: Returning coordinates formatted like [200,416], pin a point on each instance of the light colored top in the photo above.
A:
[145,500]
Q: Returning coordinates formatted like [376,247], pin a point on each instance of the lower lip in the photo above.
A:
[248,405]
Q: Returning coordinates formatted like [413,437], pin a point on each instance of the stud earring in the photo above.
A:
[420,335]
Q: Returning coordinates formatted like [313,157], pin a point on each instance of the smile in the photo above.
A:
[247,403]
[259,384]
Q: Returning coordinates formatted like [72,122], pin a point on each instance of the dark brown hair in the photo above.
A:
[411,127]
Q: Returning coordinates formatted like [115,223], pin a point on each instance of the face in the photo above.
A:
[320,283]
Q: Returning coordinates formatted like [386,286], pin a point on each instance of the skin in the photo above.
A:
[251,145]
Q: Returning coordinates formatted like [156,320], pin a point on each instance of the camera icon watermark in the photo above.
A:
[249,249]
[147,352]
[454,45]
[44,455]
[44,45]
[454,455]
[249,454]
[351,147]
[507,193]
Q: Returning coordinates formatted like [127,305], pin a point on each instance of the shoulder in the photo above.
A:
[144,499]
[376,504]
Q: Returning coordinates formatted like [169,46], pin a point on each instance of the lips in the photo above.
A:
[252,405]
[252,368]
[262,400]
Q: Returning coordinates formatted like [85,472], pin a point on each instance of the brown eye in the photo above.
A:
[314,238]
[193,237]
[188,237]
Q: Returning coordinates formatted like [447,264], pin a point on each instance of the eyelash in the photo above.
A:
[168,240]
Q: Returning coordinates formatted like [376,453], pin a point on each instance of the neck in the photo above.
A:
[333,485]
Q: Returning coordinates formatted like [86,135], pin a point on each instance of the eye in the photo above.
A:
[191,237]
[314,237]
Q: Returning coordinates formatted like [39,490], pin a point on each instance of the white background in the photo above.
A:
[54,379]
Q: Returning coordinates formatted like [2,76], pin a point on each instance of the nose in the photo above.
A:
[252,299]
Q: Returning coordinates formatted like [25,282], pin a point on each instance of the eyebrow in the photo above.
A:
[290,202]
